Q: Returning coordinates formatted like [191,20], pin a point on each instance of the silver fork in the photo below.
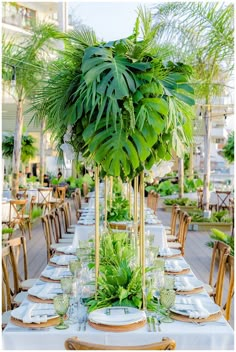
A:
[85,323]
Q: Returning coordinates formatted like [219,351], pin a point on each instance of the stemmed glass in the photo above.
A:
[158,283]
[61,305]
[68,285]
[74,266]
[167,299]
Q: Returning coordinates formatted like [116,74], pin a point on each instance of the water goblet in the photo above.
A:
[74,266]
[159,264]
[169,282]
[167,299]
[66,284]
[61,305]
[158,283]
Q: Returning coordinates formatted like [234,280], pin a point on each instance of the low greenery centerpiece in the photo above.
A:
[120,210]
[120,279]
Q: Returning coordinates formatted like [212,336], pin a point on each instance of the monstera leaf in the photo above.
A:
[115,149]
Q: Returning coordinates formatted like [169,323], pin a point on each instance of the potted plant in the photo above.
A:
[219,219]
[217,235]
[186,204]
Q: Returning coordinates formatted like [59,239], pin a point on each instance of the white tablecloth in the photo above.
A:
[188,336]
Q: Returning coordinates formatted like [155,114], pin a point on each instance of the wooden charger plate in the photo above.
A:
[47,279]
[185,271]
[116,328]
[195,290]
[169,256]
[58,265]
[38,300]
[212,317]
[50,322]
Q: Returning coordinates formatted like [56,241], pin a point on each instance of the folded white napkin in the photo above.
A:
[173,265]
[47,291]
[116,316]
[66,249]
[56,273]
[165,252]
[193,308]
[63,259]
[183,284]
[33,313]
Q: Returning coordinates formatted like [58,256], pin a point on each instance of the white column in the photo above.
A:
[63,16]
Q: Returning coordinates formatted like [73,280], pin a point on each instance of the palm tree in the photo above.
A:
[202,33]
[126,108]
[28,59]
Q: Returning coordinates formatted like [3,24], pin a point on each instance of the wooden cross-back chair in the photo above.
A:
[66,217]
[61,194]
[171,231]
[19,252]
[74,343]
[17,216]
[56,227]
[217,271]
[223,200]
[76,205]
[85,190]
[185,220]
[22,194]
[44,198]
[227,306]
[152,200]
[7,293]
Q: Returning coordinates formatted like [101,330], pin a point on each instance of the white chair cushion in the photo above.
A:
[19,298]
[26,284]
[208,288]
[6,317]
[174,245]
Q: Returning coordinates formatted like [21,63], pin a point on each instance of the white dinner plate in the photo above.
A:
[46,291]
[187,283]
[169,252]
[183,309]
[34,312]
[117,316]
[55,273]
[174,265]
[63,259]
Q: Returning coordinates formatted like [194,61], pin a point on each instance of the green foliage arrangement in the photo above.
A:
[165,188]
[180,201]
[127,107]
[28,150]
[120,282]
[119,210]
[228,149]
[191,185]
[218,235]
[218,216]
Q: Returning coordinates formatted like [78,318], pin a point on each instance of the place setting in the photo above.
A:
[44,293]
[52,274]
[192,309]
[169,252]
[176,267]
[61,260]
[185,285]
[117,319]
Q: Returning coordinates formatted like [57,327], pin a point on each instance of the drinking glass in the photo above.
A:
[159,264]
[66,284]
[61,305]
[169,282]
[158,277]
[74,266]
[167,299]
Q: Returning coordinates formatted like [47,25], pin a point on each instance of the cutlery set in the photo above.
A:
[152,321]
[83,323]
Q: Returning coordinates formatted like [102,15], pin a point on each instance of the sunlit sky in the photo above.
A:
[110,20]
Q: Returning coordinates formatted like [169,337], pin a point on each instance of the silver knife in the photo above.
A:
[153,320]
[149,324]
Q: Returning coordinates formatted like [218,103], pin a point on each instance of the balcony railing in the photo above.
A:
[17,15]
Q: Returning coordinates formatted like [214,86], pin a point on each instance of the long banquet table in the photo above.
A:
[188,336]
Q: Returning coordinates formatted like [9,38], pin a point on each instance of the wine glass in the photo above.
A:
[61,305]
[167,299]
[66,285]
[169,282]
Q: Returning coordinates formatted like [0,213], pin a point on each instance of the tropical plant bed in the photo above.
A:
[186,208]
[207,226]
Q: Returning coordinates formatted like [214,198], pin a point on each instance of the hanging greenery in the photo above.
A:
[127,108]
[28,150]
